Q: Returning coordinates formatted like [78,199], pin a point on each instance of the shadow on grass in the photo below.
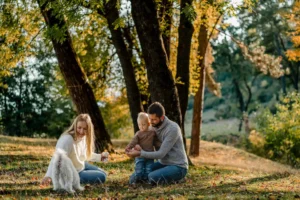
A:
[196,190]
[32,192]
[17,185]
[253,180]
[20,140]
[122,189]
[16,158]
[231,188]
[21,163]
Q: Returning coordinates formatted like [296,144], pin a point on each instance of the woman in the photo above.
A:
[78,143]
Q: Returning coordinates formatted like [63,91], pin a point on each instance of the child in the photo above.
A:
[146,139]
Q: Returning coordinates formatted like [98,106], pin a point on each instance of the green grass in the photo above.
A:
[211,127]
[23,163]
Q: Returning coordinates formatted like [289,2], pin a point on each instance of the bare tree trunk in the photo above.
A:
[133,94]
[239,95]
[241,102]
[198,100]
[185,33]
[133,45]
[19,106]
[161,83]
[76,81]
[165,17]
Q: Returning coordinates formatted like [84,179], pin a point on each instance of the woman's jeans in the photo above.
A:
[163,174]
[92,174]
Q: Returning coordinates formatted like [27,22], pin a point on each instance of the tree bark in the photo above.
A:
[161,83]
[241,102]
[131,39]
[165,17]
[199,97]
[76,81]
[185,33]
[133,93]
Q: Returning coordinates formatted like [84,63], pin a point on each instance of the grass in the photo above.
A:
[221,172]
[211,127]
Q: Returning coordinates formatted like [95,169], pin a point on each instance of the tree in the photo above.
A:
[165,13]
[161,82]
[231,64]
[293,54]
[26,103]
[185,33]
[76,81]
[110,12]
[198,100]
[203,37]
[268,28]
[294,19]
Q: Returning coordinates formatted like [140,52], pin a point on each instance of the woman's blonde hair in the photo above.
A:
[90,135]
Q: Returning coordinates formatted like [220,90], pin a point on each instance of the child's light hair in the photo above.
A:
[142,116]
[90,135]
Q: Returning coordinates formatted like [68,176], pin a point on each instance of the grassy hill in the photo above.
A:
[221,172]
[211,127]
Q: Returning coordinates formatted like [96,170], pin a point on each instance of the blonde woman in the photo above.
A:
[78,143]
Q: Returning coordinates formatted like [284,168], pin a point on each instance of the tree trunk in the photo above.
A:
[19,106]
[277,38]
[76,81]
[161,83]
[199,97]
[165,17]
[185,33]
[133,45]
[133,94]
[241,102]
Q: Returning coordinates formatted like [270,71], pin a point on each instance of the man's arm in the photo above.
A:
[133,153]
[169,141]
[156,142]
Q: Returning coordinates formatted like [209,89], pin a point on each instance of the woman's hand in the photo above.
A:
[46,181]
[104,156]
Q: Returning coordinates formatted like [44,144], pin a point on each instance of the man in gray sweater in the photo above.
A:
[172,162]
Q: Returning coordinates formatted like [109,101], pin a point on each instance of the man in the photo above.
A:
[172,162]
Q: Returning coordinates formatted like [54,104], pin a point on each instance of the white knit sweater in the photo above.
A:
[76,150]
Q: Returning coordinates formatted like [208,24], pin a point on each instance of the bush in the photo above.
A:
[117,118]
[282,130]
[255,143]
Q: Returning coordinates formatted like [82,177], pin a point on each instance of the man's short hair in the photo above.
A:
[156,108]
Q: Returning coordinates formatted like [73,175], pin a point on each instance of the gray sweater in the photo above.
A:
[171,151]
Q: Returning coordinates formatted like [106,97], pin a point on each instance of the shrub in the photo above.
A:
[256,142]
[282,130]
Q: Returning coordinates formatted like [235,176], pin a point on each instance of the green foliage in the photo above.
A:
[30,103]
[282,130]
[19,26]
[189,12]
[117,117]
[56,33]
[120,23]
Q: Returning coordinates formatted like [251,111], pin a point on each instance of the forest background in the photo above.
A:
[226,71]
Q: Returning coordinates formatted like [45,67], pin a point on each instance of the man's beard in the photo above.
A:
[158,124]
